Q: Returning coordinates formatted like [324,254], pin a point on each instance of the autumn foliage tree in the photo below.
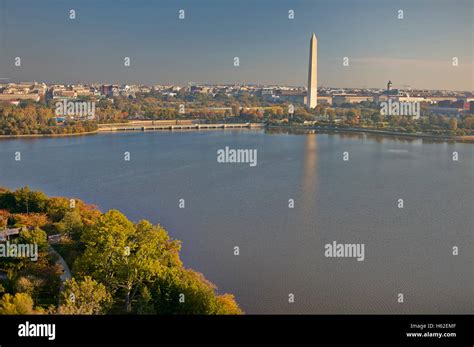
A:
[119,266]
[140,265]
[20,303]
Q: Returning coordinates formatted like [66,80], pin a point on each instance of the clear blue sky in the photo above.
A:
[273,49]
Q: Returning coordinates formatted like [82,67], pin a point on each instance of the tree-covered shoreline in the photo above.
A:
[38,118]
[117,266]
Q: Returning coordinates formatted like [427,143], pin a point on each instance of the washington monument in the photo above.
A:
[312,97]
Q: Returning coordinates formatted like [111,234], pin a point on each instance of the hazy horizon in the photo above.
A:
[415,51]
[212,84]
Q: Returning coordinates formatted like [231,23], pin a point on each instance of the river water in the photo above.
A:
[407,250]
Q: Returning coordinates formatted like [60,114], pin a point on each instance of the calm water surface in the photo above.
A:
[407,250]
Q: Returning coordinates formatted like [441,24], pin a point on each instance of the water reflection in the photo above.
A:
[310,172]
[347,134]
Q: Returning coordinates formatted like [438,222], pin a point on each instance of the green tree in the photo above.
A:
[71,223]
[185,291]
[84,297]
[23,201]
[35,236]
[57,208]
[125,256]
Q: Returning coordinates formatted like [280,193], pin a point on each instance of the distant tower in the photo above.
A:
[312,97]
[389,86]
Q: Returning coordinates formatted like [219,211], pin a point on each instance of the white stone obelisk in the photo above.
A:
[312,97]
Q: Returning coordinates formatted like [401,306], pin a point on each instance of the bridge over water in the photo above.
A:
[150,127]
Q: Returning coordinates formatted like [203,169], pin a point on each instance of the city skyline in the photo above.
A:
[271,47]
